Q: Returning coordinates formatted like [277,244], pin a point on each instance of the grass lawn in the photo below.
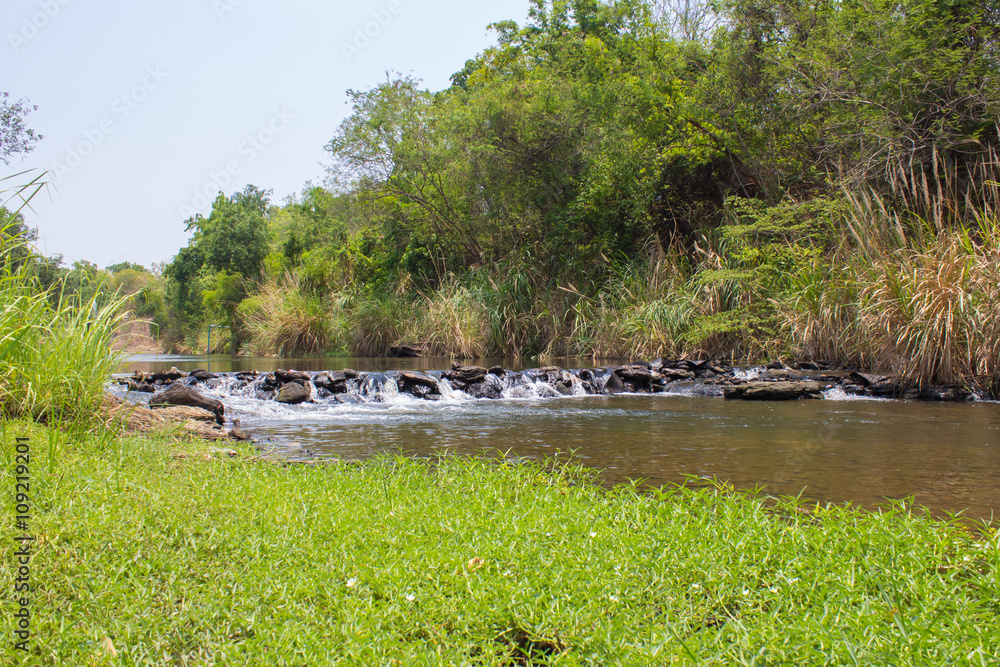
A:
[143,557]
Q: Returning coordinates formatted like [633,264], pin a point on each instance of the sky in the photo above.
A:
[150,109]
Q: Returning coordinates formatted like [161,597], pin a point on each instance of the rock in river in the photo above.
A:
[178,394]
[775,391]
[293,393]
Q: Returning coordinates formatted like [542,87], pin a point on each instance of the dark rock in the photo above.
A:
[498,371]
[774,391]
[284,377]
[613,384]
[484,390]
[586,375]
[868,379]
[293,393]
[781,374]
[406,351]
[334,382]
[944,394]
[639,378]
[564,387]
[201,375]
[673,374]
[466,374]
[694,365]
[808,366]
[888,387]
[178,394]
[168,376]
[350,373]
[418,384]
[774,366]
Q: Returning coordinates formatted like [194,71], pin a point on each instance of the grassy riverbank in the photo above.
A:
[147,557]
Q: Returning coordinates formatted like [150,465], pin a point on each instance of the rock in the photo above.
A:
[774,391]
[333,382]
[466,374]
[236,433]
[293,393]
[944,394]
[406,351]
[695,366]
[639,377]
[484,390]
[168,376]
[673,374]
[284,377]
[350,373]
[868,379]
[774,366]
[498,371]
[201,375]
[418,384]
[185,412]
[177,394]
[613,384]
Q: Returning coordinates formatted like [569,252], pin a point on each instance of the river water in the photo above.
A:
[942,456]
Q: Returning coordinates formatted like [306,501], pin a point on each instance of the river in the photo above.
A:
[945,457]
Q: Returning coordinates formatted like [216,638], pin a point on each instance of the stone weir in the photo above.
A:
[774,382]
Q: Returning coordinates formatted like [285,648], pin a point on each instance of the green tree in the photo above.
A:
[16,138]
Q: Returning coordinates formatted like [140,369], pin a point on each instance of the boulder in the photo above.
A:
[284,377]
[613,384]
[484,390]
[466,374]
[293,393]
[201,375]
[168,376]
[774,391]
[406,351]
[178,394]
[673,374]
[418,384]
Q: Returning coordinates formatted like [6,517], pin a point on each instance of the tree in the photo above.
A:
[15,137]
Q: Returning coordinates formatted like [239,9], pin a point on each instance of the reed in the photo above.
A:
[55,360]
[286,320]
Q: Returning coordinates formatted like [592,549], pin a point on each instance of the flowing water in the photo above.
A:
[942,456]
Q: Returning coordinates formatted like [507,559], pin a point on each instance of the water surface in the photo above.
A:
[943,456]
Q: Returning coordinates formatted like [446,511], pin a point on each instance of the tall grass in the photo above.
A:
[284,319]
[55,360]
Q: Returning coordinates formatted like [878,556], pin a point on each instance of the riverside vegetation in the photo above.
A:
[633,179]
[153,550]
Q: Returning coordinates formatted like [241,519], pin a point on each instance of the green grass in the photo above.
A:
[470,562]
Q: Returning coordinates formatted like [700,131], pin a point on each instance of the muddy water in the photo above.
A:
[945,457]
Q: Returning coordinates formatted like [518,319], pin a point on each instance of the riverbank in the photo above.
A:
[147,553]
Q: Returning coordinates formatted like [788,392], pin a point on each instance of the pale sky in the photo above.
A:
[146,106]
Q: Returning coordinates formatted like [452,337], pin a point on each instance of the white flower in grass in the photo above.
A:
[593,535]
[410,597]
[352,582]
[613,598]
[746,591]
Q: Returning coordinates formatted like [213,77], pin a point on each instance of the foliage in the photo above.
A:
[16,138]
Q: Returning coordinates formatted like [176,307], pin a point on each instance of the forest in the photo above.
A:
[631,178]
